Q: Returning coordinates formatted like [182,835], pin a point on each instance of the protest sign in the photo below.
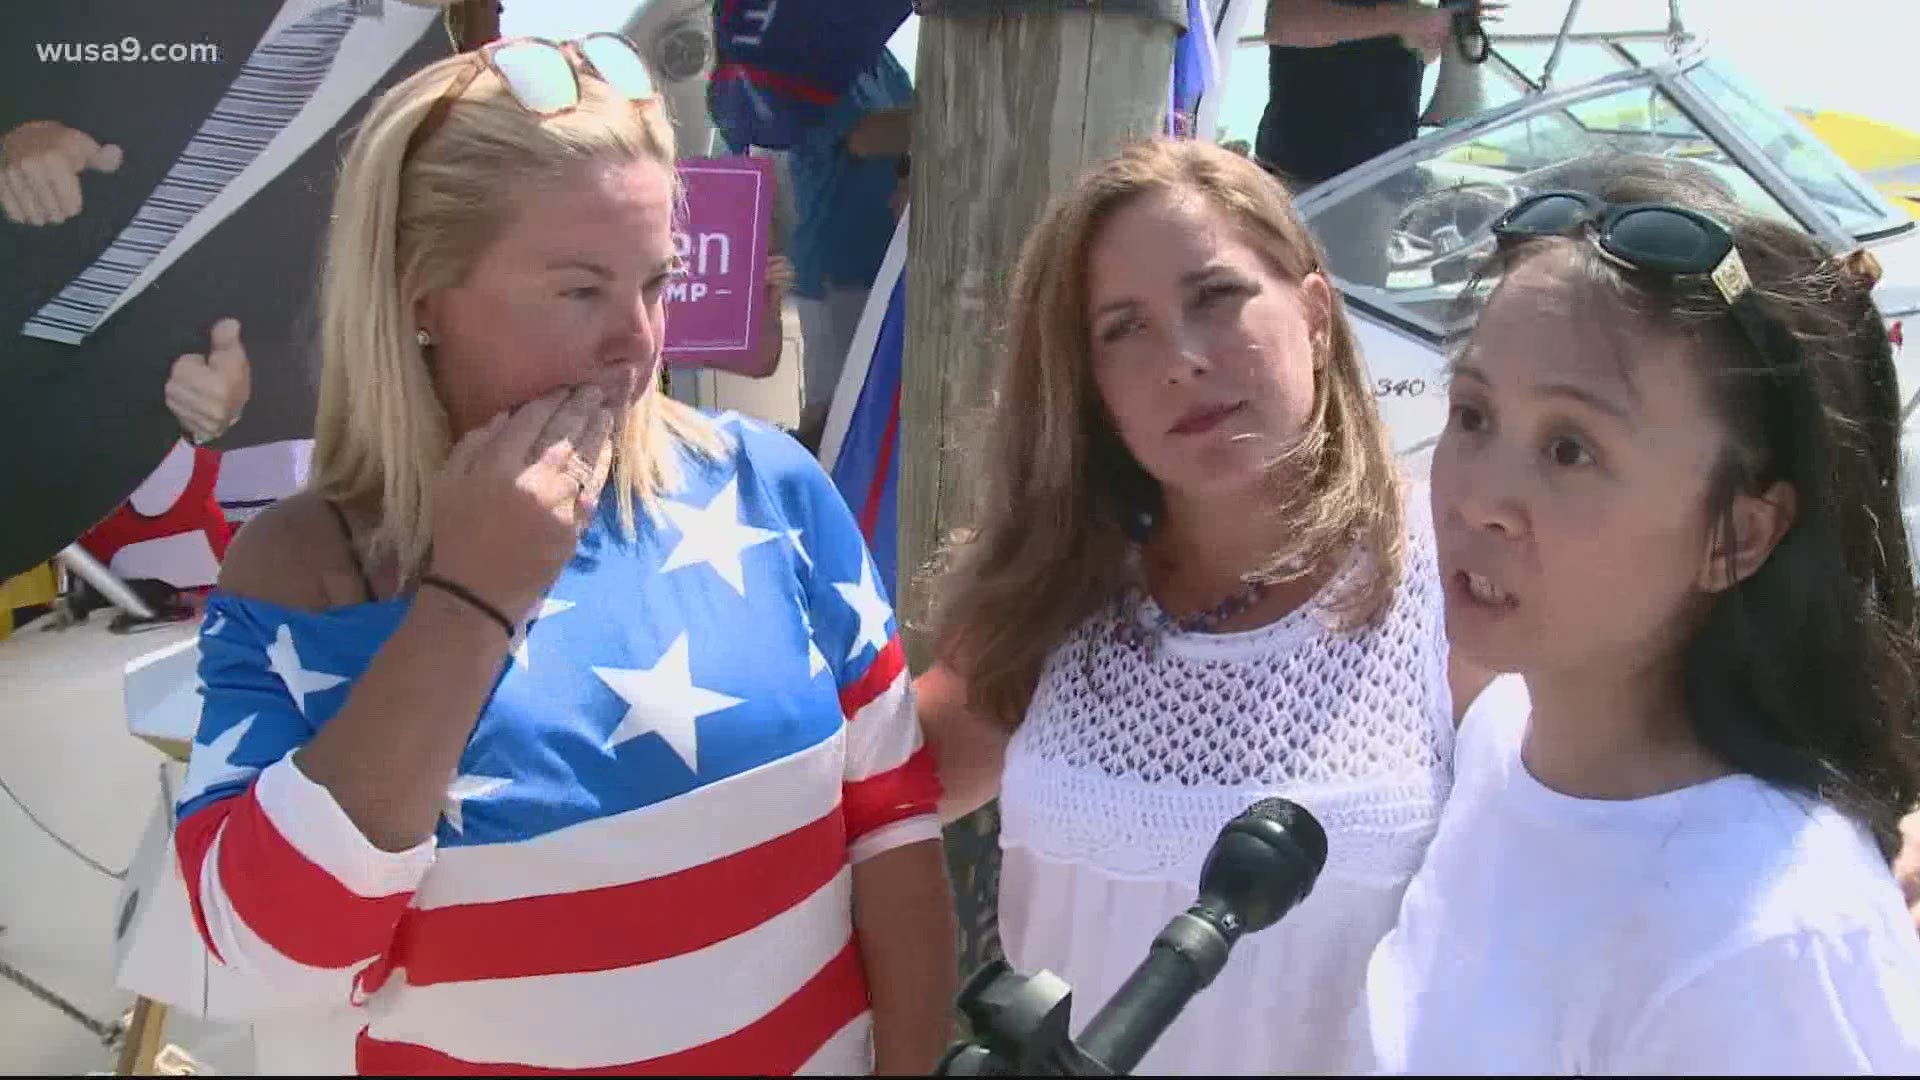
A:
[715,306]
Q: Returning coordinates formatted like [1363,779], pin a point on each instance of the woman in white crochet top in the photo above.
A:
[1195,578]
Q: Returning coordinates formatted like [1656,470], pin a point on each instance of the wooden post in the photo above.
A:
[145,1037]
[1009,108]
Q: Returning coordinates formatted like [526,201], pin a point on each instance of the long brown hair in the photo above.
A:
[1054,487]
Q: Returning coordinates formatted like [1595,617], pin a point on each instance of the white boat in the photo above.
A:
[1548,99]
[88,710]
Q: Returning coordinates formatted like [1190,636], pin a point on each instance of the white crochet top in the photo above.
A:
[1127,765]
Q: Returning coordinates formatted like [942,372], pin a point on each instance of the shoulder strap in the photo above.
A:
[346,533]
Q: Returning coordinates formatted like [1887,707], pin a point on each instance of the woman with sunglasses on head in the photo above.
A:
[1194,577]
[558,726]
[1667,508]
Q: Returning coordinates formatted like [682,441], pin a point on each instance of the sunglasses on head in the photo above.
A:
[1649,237]
[544,76]
[1656,238]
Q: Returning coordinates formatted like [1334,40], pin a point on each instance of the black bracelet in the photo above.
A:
[464,593]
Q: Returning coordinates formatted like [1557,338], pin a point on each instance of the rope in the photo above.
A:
[107,1033]
[117,875]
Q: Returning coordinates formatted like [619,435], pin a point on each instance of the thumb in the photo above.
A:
[225,335]
[76,149]
[105,159]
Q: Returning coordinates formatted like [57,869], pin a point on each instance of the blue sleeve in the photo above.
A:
[249,717]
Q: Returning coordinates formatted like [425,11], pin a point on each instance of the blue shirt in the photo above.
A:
[840,201]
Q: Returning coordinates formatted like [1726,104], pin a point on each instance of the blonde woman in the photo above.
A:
[1195,578]
[558,726]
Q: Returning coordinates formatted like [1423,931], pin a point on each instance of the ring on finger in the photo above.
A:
[580,471]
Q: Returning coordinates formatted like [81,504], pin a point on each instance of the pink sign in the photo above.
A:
[715,307]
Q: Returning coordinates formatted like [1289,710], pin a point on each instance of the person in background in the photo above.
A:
[773,329]
[844,173]
[1344,80]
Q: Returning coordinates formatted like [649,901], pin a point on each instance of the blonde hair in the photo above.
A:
[404,226]
[1054,484]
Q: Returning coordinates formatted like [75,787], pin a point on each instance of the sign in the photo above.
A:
[715,306]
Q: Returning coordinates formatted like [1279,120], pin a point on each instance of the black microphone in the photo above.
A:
[1264,863]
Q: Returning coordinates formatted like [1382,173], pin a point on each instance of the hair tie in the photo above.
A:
[1860,268]
[472,599]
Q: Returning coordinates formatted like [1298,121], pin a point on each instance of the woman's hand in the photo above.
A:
[515,494]
[779,278]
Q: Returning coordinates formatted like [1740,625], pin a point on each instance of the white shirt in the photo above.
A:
[1126,767]
[1726,927]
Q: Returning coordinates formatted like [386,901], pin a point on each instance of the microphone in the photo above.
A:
[1263,864]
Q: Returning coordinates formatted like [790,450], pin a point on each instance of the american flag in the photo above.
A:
[644,862]
[866,461]
[1196,68]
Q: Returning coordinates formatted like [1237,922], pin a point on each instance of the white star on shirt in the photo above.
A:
[547,607]
[218,624]
[300,680]
[662,700]
[715,536]
[794,536]
[866,601]
[212,763]
[816,660]
[464,788]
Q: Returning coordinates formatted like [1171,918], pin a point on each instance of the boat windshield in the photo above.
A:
[1842,194]
[1409,242]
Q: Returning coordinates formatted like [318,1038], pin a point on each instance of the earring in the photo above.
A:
[425,339]
[1137,523]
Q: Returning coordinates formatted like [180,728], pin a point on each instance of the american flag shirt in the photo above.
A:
[645,860]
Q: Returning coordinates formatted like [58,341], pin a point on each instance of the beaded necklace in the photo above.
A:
[1141,629]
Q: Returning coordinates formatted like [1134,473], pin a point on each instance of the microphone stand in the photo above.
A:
[1020,1025]
[1263,864]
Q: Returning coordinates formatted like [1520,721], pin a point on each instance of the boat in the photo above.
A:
[100,710]
[1546,100]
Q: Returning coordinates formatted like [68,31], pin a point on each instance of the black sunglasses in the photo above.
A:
[1656,238]
[1651,237]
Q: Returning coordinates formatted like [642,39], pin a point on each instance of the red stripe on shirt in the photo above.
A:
[877,680]
[908,790]
[291,902]
[619,926]
[192,839]
[777,1044]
